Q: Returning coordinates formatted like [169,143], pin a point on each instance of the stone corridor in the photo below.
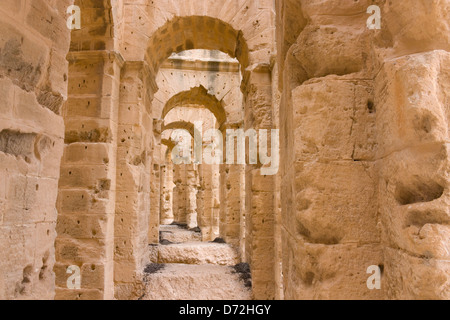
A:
[236,149]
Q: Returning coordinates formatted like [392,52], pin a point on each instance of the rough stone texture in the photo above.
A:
[86,177]
[198,253]
[365,176]
[177,234]
[187,282]
[33,43]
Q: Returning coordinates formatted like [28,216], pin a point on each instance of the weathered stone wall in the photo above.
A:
[413,112]
[167,186]
[365,155]
[34,41]
[135,172]
[364,115]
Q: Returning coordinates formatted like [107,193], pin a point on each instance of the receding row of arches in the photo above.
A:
[192,68]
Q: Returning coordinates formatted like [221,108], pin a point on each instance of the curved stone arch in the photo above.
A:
[250,16]
[197,98]
[254,19]
[196,32]
[222,86]
[181,125]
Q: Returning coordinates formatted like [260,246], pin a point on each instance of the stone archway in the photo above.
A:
[256,87]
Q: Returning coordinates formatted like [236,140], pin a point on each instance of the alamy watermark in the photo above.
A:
[74,20]
[74,281]
[374,281]
[207,147]
[374,21]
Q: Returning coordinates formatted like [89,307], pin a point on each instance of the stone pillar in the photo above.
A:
[208,191]
[179,193]
[329,211]
[191,195]
[87,188]
[215,197]
[134,170]
[34,42]
[259,189]
[230,198]
[200,204]
[167,216]
[155,187]
[243,229]
[415,159]
[412,120]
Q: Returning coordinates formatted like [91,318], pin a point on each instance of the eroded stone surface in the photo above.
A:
[198,253]
[86,177]
[188,282]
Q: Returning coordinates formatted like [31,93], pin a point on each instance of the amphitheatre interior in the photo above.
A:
[227,150]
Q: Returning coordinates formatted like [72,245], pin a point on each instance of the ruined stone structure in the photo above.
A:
[89,121]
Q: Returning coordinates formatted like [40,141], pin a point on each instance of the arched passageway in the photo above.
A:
[220,86]
[87,176]
[120,133]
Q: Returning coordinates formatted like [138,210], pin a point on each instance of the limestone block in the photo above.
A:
[83,294]
[410,101]
[198,253]
[336,202]
[415,211]
[84,226]
[87,107]
[74,251]
[176,234]
[336,121]
[81,176]
[409,277]
[314,271]
[323,50]
[90,154]
[186,282]
[419,23]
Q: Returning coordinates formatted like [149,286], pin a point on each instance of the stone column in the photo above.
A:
[167,216]
[414,154]
[179,193]
[134,170]
[231,184]
[200,203]
[155,185]
[33,86]
[87,188]
[259,189]
[191,195]
[208,191]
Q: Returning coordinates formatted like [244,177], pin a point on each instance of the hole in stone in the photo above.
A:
[418,192]
[381,266]
[27,272]
[308,278]
[371,106]
[421,218]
